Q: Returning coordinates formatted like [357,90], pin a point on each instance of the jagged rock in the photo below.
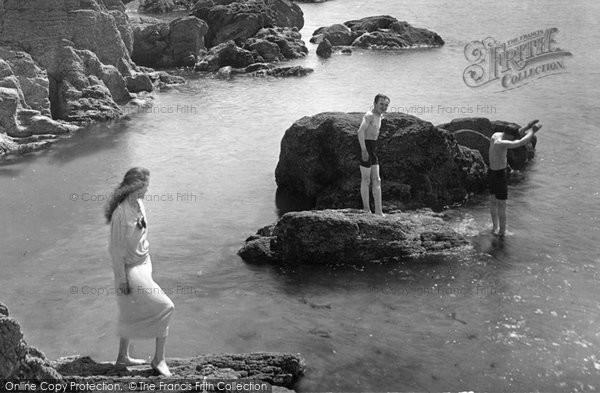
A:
[347,51]
[421,165]
[351,236]
[125,28]
[79,54]
[382,31]
[84,91]
[139,82]
[19,360]
[240,20]
[324,48]
[475,133]
[225,54]
[174,44]
[269,51]
[289,41]
[32,80]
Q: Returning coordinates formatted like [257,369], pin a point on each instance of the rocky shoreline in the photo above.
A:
[58,74]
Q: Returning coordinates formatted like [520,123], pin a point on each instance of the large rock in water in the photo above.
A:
[421,165]
[165,45]
[350,236]
[384,32]
[475,133]
[242,19]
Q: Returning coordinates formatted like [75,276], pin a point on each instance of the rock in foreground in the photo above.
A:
[351,236]
[279,369]
[19,361]
[420,165]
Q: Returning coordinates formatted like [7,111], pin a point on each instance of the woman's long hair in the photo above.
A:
[134,179]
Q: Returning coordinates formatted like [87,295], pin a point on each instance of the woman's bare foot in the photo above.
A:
[380,214]
[129,361]
[161,368]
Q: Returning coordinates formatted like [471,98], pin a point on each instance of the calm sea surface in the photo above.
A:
[522,316]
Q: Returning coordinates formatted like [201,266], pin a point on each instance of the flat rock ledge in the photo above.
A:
[280,370]
[22,362]
[349,236]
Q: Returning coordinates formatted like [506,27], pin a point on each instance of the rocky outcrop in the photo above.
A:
[421,165]
[69,39]
[25,124]
[18,360]
[275,44]
[382,32]
[225,54]
[475,133]
[278,369]
[165,45]
[351,236]
[240,20]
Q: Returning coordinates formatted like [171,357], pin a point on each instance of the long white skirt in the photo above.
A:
[146,311]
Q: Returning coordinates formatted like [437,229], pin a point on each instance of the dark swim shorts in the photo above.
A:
[497,182]
[371,146]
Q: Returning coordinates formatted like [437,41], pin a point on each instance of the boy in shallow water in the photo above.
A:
[499,145]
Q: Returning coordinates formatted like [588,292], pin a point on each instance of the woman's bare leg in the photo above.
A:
[123,356]
[159,363]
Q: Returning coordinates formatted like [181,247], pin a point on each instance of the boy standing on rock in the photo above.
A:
[368,133]
[499,145]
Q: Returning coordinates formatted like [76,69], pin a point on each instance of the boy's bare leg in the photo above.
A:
[123,357]
[494,213]
[502,216]
[365,182]
[376,181]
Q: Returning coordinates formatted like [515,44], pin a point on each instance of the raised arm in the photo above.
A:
[531,129]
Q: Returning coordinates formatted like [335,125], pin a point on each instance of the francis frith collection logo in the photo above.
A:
[516,62]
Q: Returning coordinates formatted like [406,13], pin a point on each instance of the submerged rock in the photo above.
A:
[324,49]
[475,133]
[383,32]
[421,165]
[284,71]
[350,236]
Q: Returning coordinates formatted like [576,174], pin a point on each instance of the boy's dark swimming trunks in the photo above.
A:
[371,146]
[497,182]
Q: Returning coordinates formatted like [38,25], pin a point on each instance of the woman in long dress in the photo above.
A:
[144,309]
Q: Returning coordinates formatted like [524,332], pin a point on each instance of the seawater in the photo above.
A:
[522,315]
